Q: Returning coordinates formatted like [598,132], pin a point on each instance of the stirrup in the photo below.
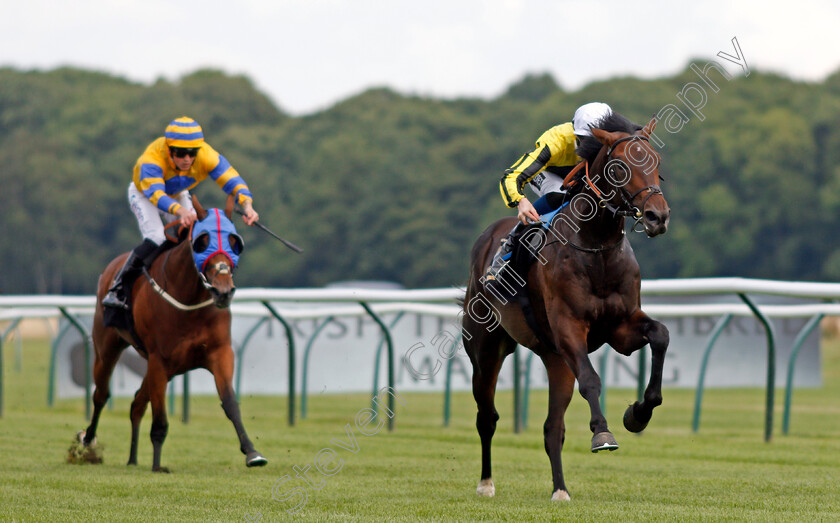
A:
[499,260]
[116,296]
[114,299]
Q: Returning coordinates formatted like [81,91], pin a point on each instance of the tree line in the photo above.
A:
[386,186]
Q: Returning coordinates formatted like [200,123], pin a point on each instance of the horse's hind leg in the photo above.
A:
[487,351]
[138,408]
[221,365]
[108,347]
[561,383]
[630,336]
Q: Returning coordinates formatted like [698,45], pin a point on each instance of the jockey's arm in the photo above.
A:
[226,177]
[556,146]
[523,171]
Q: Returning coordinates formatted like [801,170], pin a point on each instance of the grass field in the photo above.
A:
[726,472]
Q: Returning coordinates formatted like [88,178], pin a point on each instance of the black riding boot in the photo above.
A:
[503,253]
[116,296]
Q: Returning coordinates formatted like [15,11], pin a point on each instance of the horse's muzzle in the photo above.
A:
[222,299]
[656,221]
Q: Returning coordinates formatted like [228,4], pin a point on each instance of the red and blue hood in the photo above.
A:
[222,238]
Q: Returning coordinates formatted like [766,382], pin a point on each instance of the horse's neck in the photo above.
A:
[603,226]
[175,271]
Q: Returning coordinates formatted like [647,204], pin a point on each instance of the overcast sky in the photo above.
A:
[308,54]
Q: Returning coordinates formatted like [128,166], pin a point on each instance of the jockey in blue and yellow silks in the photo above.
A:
[163,175]
[544,169]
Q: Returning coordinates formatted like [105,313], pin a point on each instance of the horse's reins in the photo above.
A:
[172,301]
[221,268]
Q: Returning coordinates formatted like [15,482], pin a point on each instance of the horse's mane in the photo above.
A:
[590,146]
[181,234]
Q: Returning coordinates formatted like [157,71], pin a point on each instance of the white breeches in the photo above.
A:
[150,219]
[546,182]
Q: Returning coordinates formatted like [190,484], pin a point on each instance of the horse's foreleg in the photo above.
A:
[157,379]
[138,408]
[631,336]
[222,368]
[589,384]
[561,384]
[574,351]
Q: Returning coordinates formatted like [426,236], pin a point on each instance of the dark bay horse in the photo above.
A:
[174,340]
[584,291]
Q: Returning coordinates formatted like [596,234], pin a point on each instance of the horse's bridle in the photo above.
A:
[627,207]
[219,267]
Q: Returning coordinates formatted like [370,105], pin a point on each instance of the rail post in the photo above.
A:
[86,339]
[14,324]
[291,340]
[390,346]
[797,344]
[240,354]
[771,364]
[721,324]
[303,392]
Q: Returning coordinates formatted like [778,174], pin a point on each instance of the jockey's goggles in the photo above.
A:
[181,152]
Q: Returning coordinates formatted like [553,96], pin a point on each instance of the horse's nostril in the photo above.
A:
[651,217]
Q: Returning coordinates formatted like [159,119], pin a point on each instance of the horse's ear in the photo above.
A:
[229,207]
[199,210]
[605,137]
[648,130]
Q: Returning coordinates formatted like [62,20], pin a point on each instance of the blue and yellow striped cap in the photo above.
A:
[184,132]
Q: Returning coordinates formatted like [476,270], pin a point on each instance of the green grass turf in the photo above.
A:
[725,472]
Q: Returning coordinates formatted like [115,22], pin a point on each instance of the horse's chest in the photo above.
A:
[188,353]
[610,305]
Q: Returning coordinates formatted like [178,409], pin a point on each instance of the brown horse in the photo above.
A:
[582,294]
[172,339]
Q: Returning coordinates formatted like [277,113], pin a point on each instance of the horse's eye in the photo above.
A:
[236,243]
[201,242]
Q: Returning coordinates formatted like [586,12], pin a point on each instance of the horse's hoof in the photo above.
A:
[131,463]
[560,495]
[603,441]
[255,459]
[632,423]
[164,470]
[81,437]
[486,488]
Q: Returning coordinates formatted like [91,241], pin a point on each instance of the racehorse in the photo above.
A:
[584,292]
[174,327]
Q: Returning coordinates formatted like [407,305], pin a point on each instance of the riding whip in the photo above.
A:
[288,244]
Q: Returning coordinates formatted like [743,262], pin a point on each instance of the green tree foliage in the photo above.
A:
[391,187]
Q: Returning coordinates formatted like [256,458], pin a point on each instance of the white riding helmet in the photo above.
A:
[589,114]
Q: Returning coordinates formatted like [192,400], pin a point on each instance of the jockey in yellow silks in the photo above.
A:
[544,169]
[159,193]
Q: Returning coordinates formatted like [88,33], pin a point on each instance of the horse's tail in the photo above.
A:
[461,299]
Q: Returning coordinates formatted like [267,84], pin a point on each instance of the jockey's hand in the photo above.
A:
[186,216]
[251,215]
[527,211]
